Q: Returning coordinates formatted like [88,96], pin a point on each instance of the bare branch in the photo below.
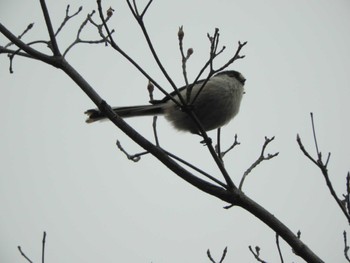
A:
[134,157]
[184,62]
[279,248]
[78,40]
[261,158]
[147,6]
[218,144]
[323,167]
[53,41]
[24,255]
[346,247]
[67,18]
[196,169]
[29,27]
[256,254]
[139,19]
[235,57]
[210,257]
[42,251]
[43,248]
[234,144]
[154,125]
[133,62]
[54,61]
[347,196]
[222,257]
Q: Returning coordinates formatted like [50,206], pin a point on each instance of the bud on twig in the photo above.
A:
[150,88]
[110,12]
[189,52]
[180,33]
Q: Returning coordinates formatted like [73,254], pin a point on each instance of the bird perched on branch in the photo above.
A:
[214,104]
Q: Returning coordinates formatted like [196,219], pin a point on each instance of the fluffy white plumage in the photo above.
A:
[217,103]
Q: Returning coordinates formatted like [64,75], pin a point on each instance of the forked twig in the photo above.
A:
[29,27]
[256,254]
[323,167]
[133,157]
[42,251]
[261,158]
[67,18]
[233,145]
[222,257]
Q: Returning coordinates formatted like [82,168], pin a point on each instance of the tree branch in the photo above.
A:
[261,158]
[53,40]
[323,167]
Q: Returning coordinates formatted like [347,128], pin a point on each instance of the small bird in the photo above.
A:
[216,104]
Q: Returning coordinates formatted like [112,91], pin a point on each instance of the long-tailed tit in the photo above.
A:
[216,104]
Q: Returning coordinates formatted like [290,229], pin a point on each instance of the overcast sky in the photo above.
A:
[60,175]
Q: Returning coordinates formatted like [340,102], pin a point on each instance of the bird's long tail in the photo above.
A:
[125,112]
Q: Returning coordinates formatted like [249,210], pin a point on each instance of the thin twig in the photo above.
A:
[279,248]
[30,26]
[184,59]
[132,61]
[196,169]
[314,133]
[261,158]
[24,255]
[134,157]
[347,197]
[235,57]
[43,248]
[222,257]
[78,39]
[346,247]
[53,41]
[139,19]
[218,143]
[154,125]
[210,257]
[256,254]
[234,144]
[323,167]
[67,17]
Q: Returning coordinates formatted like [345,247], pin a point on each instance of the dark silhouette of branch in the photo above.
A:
[346,247]
[67,18]
[218,146]
[29,27]
[182,104]
[53,41]
[261,158]
[279,248]
[43,248]
[184,59]
[24,255]
[323,167]
[42,251]
[347,196]
[256,254]
[222,257]
[133,157]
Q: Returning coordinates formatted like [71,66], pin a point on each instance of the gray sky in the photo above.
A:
[63,176]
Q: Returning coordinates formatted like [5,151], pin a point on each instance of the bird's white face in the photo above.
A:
[232,74]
